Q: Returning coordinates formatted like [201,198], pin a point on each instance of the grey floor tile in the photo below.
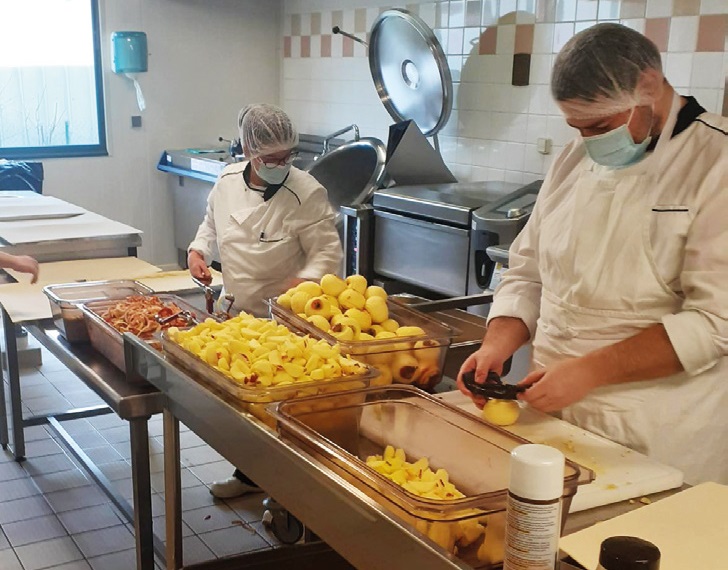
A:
[88,439]
[38,390]
[103,454]
[51,482]
[266,533]
[248,507]
[32,379]
[75,427]
[190,439]
[155,446]
[196,497]
[47,404]
[200,456]
[156,429]
[77,565]
[42,447]
[123,449]
[11,470]
[49,553]
[233,540]
[104,541]
[211,472]
[210,518]
[195,551]
[84,399]
[106,421]
[125,487]
[35,433]
[188,479]
[124,560]
[159,528]
[17,489]
[89,518]
[34,530]
[22,509]
[118,434]
[4,542]
[156,462]
[90,495]
[116,470]
[47,464]
[157,504]
[8,560]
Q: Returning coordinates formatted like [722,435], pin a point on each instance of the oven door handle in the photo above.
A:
[464,302]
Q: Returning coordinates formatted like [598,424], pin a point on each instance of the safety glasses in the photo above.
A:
[272,161]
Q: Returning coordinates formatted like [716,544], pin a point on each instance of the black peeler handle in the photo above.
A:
[492,388]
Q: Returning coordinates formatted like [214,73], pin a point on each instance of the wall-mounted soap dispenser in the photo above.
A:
[129,57]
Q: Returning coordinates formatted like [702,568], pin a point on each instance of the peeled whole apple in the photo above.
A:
[501,412]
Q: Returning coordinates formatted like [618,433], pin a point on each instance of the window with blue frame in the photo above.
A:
[51,84]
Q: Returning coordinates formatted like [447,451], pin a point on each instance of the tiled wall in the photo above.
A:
[494,127]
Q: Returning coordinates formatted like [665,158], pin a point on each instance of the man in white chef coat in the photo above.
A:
[620,277]
[272,223]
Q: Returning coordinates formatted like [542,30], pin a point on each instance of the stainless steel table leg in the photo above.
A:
[172,491]
[143,530]
[16,410]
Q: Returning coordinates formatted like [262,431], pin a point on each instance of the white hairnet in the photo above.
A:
[598,72]
[265,129]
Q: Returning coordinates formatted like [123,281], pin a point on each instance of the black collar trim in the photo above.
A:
[270,189]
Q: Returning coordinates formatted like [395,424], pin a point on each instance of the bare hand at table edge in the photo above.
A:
[198,267]
[21,263]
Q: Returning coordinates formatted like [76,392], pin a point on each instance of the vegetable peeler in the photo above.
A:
[493,387]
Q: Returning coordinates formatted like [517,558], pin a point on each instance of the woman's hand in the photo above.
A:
[198,267]
[27,264]
[482,361]
[557,386]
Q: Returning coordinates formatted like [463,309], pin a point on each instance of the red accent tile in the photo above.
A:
[658,30]
[488,41]
[348,47]
[326,45]
[524,38]
[287,46]
[712,32]
[305,46]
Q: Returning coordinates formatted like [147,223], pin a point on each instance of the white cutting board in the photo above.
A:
[176,281]
[33,207]
[86,225]
[690,529]
[621,473]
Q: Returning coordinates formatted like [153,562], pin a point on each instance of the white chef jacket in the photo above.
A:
[593,266]
[262,243]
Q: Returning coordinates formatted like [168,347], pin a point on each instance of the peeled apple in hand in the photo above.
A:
[501,412]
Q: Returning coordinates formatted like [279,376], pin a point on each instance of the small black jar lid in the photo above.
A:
[629,553]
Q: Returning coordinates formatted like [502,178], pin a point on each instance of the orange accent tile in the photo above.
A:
[712,32]
[658,30]
[326,45]
[524,38]
[633,9]
[685,7]
[287,46]
[488,41]
[315,23]
[305,46]
[296,25]
[348,47]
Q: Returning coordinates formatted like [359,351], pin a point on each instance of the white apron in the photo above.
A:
[600,286]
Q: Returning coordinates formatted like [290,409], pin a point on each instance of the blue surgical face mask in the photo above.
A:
[616,148]
[273,175]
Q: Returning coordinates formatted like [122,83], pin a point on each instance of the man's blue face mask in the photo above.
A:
[616,148]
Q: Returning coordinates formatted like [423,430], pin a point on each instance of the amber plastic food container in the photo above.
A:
[342,433]
[255,400]
[66,298]
[109,341]
[415,360]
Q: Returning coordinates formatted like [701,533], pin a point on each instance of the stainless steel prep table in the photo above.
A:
[358,528]
[133,402]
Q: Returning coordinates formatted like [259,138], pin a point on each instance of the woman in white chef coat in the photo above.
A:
[620,277]
[272,223]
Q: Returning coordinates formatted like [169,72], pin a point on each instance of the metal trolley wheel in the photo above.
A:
[286,528]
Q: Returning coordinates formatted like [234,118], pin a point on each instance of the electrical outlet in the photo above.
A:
[543,145]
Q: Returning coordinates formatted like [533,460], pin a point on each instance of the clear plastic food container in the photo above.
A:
[415,360]
[109,341]
[65,299]
[256,400]
[342,433]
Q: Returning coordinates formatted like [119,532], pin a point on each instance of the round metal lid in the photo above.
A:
[410,70]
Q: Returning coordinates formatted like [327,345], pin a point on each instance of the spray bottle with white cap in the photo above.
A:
[533,508]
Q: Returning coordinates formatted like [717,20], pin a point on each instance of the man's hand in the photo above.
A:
[198,267]
[26,264]
[557,386]
[482,361]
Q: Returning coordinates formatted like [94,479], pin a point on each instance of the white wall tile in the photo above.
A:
[537,126]
[496,174]
[565,10]
[326,23]
[637,24]
[457,14]
[608,10]
[479,174]
[471,37]
[710,99]
[678,68]
[586,9]
[543,38]
[511,176]
[658,9]
[455,41]
[580,26]
[481,152]
[287,25]
[559,131]
[296,46]
[502,68]
[506,41]
[306,24]
[563,32]
[683,34]
[707,70]
[532,159]
[713,7]
[316,46]
[541,68]
[427,13]
[506,7]
[464,152]
[462,172]
[515,156]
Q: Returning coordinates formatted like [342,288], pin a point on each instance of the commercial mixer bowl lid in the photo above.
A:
[410,70]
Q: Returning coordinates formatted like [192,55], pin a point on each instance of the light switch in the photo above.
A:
[543,145]
[136,121]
